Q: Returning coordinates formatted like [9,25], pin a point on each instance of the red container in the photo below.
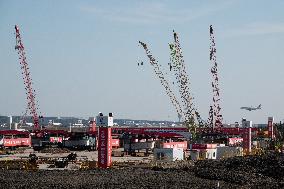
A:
[203,146]
[115,143]
[235,141]
[17,142]
[175,145]
[55,139]
[199,146]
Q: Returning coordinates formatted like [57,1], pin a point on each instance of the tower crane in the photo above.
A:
[217,119]
[163,80]
[30,92]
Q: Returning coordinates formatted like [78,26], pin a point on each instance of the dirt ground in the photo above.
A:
[111,178]
[265,171]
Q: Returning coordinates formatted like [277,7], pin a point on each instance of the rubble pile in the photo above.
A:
[266,171]
[109,178]
[176,165]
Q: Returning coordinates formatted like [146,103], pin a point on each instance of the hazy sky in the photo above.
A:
[83,56]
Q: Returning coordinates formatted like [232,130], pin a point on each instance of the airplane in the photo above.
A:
[251,108]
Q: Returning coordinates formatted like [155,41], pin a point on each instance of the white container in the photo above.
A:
[168,154]
[211,153]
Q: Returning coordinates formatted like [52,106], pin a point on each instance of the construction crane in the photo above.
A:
[201,122]
[164,82]
[178,66]
[30,92]
[183,82]
[24,117]
[216,119]
[210,118]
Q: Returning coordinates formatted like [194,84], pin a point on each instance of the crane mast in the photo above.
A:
[30,92]
[216,119]
[178,66]
[163,80]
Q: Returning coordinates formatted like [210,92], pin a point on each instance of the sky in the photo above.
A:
[83,56]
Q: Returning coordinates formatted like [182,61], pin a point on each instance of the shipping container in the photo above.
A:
[56,139]
[202,146]
[115,143]
[87,143]
[201,154]
[17,142]
[168,154]
[235,141]
[139,146]
[182,145]
[15,138]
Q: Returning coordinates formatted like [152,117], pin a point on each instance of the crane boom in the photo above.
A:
[163,80]
[184,82]
[178,66]
[30,92]
[217,117]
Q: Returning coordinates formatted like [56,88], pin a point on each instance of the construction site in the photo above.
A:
[199,151]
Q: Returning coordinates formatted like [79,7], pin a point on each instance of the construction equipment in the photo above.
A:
[178,66]
[24,117]
[188,110]
[163,80]
[201,122]
[30,92]
[183,80]
[217,119]
[210,118]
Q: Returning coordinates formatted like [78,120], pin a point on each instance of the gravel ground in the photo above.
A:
[111,178]
[265,171]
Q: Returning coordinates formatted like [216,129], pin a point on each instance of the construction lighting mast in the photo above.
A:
[163,81]
[217,119]
[30,92]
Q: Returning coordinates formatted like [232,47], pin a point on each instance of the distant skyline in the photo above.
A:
[83,56]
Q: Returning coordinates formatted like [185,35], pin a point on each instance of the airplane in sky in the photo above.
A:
[252,108]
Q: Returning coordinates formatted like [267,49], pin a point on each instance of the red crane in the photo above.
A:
[30,92]
[216,119]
